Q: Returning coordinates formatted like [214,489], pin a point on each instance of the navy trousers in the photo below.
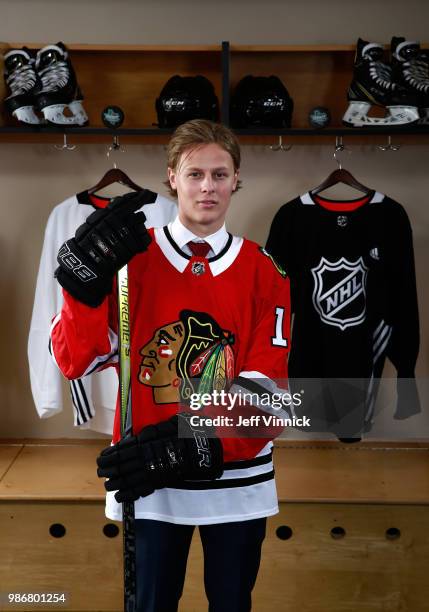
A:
[232,553]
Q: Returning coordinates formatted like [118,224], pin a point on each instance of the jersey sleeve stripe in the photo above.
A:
[247,463]
[51,348]
[381,336]
[79,415]
[102,360]
[383,346]
[89,408]
[226,483]
[260,386]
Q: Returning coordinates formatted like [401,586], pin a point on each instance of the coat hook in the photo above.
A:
[339,146]
[65,145]
[115,146]
[280,146]
[389,146]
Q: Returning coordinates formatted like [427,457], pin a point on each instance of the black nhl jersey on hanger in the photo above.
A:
[353,288]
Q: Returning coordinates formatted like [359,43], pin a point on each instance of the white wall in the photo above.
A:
[204,21]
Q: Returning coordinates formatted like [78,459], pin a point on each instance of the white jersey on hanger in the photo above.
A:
[93,397]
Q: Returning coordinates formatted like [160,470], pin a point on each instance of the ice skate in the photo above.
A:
[411,70]
[23,83]
[60,90]
[373,85]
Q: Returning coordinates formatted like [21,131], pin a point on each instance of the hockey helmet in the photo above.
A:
[185,98]
[261,101]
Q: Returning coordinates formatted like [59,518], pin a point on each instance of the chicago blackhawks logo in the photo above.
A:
[339,294]
[191,355]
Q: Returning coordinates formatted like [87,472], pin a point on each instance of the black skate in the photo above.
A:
[411,70]
[373,85]
[23,84]
[60,90]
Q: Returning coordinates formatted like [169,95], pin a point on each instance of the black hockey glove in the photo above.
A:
[102,245]
[160,457]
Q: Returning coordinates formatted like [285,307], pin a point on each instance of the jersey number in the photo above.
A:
[278,338]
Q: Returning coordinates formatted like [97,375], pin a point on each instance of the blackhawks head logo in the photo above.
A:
[191,355]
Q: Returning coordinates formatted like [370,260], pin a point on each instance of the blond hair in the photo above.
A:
[200,132]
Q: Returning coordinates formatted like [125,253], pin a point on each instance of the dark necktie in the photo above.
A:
[199,249]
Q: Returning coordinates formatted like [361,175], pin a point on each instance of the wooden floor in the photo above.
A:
[352,534]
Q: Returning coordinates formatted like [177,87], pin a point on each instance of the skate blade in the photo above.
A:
[357,115]
[26,114]
[55,114]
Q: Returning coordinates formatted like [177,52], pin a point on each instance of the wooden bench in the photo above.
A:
[351,535]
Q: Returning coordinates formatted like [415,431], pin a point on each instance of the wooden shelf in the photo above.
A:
[132,76]
[100,48]
[53,472]
[155,131]
[290,48]
[121,48]
[300,48]
[306,472]
[143,131]
[266,137]
[364,473]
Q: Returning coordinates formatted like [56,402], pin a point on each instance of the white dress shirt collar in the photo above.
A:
[182,235]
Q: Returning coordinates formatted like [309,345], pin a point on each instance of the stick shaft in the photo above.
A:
[128,516]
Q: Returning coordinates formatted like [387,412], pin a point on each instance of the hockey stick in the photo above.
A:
[128,516]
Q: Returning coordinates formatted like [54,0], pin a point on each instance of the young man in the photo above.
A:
[206,308]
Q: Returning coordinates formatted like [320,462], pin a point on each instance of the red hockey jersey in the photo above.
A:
[190,319]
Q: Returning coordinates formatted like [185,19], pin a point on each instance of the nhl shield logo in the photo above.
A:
[339,294]
[198,268]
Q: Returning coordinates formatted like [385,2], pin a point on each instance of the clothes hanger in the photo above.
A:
[340,176]
[115,174]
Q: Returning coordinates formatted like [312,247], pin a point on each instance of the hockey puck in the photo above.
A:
[112,116]
[319,117]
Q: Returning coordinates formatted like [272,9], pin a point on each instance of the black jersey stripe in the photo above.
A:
[74,405]
[252,386]
[84,398]
[249,384]
[79,413]
[255,388]
[230,483]
[223,251]
[188,257]
[173,244]
[102,362]
[248,463]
